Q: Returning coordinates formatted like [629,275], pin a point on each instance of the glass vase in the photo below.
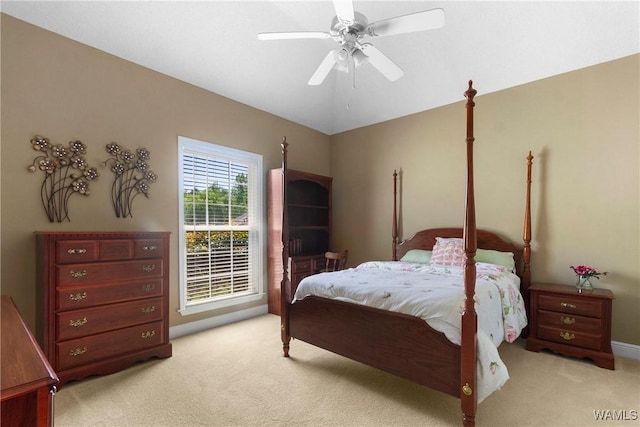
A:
[584,283]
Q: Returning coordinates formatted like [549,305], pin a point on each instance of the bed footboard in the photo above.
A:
[393,342]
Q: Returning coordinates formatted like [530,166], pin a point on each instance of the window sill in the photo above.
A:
[221,303]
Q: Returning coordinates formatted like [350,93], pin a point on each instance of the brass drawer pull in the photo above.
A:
[149,248]
[148,334]
[73,251]
[78,274]
[567,320]
[149,267]
[78,297]
[149,287]
[149,310]
[77,323]
[567,336]
[78,351]
[568,305]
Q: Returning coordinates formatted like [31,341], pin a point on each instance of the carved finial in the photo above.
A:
[471,92]
[284,144]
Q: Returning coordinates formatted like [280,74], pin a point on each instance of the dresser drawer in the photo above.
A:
[302,266]
[81,296]
[569,322]
[101,346]
[566,336]
[148,248]
[114,249]
[79,323]
[91,273]
[567,304]
[76,251]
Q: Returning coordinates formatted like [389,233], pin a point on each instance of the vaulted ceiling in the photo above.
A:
[214,45]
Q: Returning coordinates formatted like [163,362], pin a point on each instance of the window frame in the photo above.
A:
[257,249]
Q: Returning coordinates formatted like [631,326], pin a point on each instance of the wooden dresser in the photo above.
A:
[570,322]
[28,381]
[102,300]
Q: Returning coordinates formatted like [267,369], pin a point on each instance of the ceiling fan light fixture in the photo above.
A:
[342,55]
[359,58]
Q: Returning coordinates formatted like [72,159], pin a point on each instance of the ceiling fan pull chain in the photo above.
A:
[352,70]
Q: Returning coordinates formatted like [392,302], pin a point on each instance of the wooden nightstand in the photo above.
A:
[570,322]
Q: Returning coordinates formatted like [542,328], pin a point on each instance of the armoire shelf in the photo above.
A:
[309,214]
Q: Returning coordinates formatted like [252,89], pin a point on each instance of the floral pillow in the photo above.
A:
[448,252]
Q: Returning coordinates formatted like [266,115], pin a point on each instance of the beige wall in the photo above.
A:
[583,129]
[64,90]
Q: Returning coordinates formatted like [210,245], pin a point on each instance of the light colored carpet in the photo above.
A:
[235,375]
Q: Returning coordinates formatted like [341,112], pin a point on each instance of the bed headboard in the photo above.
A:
[426,239]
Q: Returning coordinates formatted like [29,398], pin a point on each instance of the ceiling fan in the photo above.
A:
[349,28]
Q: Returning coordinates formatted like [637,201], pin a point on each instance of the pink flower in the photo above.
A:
[492,367]
[587,271]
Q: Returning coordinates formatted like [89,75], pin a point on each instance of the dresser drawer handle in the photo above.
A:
[73,251]
[149,310]
[567,320]
[78,351]
[78,274]
[568,305]
[77,323]
[149,267]
[149,248]
[567,336]
[78,297]
[148,334]
[149,287]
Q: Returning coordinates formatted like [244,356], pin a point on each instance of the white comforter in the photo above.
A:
[435,294]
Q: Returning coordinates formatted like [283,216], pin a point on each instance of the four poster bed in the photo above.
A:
[426,348]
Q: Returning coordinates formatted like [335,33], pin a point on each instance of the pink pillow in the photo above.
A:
[448,252]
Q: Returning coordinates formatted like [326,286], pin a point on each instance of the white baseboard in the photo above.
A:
[213,322]
[626,350]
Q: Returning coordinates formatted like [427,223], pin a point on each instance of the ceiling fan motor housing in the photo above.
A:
[357,27]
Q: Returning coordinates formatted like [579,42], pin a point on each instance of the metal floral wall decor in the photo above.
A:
[132,177]
[66,173]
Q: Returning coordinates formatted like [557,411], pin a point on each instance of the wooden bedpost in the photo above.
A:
[526,237]
[394,225]
[468,350]
[285,285]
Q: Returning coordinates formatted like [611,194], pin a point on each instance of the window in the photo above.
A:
[221,226]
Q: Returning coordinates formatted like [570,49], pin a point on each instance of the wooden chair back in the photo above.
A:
[335,261]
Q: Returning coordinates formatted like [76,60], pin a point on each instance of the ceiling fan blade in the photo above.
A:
[294,35]
[419,21]
[324,69]
[379,60]
[344,11]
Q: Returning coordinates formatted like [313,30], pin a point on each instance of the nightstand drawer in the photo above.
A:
[569,322]
[566,336]
[572,305]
